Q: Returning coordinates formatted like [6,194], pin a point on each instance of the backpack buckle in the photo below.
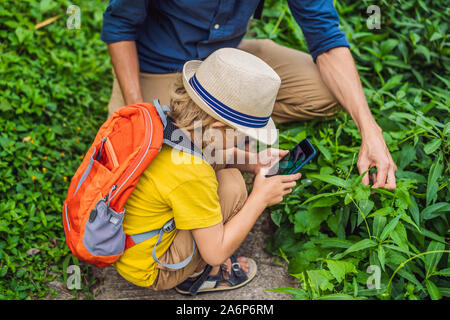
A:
[169,226]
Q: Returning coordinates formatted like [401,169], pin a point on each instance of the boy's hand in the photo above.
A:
[271,190]
[267,158]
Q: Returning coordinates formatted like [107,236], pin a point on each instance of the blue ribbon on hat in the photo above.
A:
[225,111]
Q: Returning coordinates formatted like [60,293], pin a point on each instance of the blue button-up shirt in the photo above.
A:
[170,32]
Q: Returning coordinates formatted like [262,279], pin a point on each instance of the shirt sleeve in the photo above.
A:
[319,22]
[195,204]
[121,20]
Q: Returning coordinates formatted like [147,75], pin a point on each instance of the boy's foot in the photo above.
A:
[233,274]
[226,269]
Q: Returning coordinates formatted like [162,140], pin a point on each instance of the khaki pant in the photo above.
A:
[302,95]
[232,195]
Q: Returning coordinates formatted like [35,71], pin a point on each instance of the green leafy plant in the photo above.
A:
[332,227]
[54,89]
[55,84]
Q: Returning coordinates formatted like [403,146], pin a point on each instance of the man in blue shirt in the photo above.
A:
[150,40]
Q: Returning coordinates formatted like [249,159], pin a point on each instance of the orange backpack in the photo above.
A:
[123,148]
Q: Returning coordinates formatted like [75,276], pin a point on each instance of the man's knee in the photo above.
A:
[288,112]
[255,46]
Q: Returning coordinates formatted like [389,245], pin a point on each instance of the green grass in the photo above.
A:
[54,88]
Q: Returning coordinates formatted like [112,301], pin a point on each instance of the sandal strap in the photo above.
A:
[200,280]
[236,269]
[236,277]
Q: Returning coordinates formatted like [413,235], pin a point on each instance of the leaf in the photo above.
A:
[334,243]
[288,290]
[424,51]
[388,45]
[433,290]
[406,155]
[432,146]
[445,291]
[320,279]
[309,221]
[333,224]
[348,199]
[410,277]
[397,248]
[362,192]
[399,236]
[43,218]
[366,206]
[5,105]
[432,235]
[378,224]
[434,174]
[381,256]
[414,209]
[322,195]
[429,212]
[360,245]
[338,296]
[443,272]
[328,179]
[325,202]
[323,150]
[381,212]
[431,260]
[276,218]
[390,226]
[355,287]
[340,268]
[22,34]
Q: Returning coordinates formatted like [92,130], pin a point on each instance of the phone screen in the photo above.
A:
[294,160]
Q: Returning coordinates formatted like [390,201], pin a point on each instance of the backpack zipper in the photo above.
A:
[143,152]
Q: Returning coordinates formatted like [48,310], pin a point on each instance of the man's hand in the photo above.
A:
[374,153]
[339,73]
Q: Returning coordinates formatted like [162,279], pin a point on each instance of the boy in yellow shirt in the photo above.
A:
[205,192]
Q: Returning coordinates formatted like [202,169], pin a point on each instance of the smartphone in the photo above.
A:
[297,157]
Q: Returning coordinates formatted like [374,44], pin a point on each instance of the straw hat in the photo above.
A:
[236,88]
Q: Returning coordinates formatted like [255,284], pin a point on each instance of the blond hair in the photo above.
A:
[187,115]
[184,111]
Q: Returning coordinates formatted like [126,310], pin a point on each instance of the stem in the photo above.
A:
[401,265]
[362,214]
[278,22]
[349,171]
[423,195]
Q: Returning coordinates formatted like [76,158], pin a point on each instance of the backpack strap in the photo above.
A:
[162,111]
[168,227]
[177,139]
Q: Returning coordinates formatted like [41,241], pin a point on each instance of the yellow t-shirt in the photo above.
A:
[175,185]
